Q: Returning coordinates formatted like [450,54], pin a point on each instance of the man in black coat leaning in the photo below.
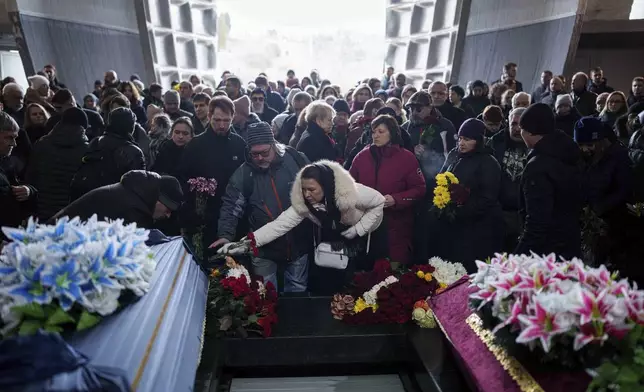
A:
[16,199]
[140,197]
[550,187]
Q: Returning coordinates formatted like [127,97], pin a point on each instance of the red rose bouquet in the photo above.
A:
[239,304]
[384,295]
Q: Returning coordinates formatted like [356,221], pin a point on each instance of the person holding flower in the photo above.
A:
[476,232]
[345,215]
[389,168]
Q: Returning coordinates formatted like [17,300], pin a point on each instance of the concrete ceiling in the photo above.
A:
[608,9]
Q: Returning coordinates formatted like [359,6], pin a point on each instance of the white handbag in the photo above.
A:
[326,257]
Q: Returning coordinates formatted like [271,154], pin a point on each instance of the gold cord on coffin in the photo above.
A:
[157,326]
[518,373]
[203,328]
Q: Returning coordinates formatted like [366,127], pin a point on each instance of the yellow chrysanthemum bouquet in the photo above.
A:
[449,193]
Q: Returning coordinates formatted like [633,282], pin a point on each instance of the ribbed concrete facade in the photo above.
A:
[422,37]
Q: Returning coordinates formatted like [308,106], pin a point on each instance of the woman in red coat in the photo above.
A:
[393,171]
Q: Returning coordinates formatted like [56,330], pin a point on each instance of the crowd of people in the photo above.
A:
[299,163]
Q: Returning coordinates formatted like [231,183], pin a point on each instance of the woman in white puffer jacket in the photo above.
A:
[344,212]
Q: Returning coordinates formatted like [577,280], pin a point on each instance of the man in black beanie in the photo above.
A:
[141,197]
[260,190]
[550,203]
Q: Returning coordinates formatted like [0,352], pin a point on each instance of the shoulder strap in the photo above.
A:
[299,159]
[248,181]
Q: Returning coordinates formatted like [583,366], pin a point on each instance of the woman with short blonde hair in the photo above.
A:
[316,141]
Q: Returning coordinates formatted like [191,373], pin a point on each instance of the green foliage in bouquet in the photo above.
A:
[52,318]
[623,372]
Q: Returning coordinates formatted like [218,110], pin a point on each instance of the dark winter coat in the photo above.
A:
[210,156]
[136,195]
[551,198]
[108,158]
[567,123]
[437,145]
[477,231]
[268,114]
[600,88]
[316,144]
[187,106]
[55,160]
[632,100]
[95,128]
[539,92]
[168,159]
[35,132]
[140,113]
[585,102]
[550,98]
[18,115]
[243,129]
[288,129]
[607,185]
[500,144]
[178,114]
[393,170]
[456,115]
[275,101]
[262,195]
[13,212]
[478,104]
[199,127]
[636,155]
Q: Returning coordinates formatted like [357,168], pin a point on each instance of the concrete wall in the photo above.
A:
[534,34]
[83,39]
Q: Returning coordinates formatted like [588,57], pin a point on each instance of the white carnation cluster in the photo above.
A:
[371,296]
[446,272]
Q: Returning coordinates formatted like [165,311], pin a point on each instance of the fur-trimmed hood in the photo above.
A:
[346,191]
[360,207]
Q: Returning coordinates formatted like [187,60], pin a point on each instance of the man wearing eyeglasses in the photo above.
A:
[260,107]
[260,190]
[432,135]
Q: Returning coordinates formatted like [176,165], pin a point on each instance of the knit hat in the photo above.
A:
[341,106]
[242,106]
[381,92]
[259,133]
[493,114]
[170,193]
[589,129]
[420,98]
[171,96]
[563,99]
[472,129]
[386,110]
[538,119]
[74,116]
